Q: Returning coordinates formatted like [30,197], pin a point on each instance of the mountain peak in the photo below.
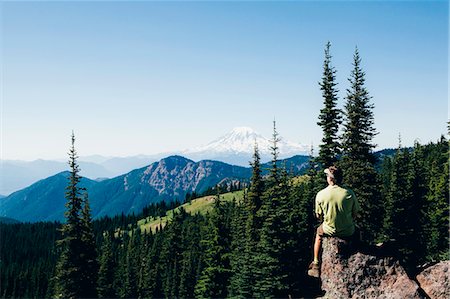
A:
[242,131]
[241,141]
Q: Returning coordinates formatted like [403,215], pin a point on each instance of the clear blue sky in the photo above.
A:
[148,77]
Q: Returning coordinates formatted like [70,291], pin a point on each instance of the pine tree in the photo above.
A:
[270,277]
[437,210]
[398,198]
[359,129]
[132,263]
[240,286]
[153,281]
[215,276]
[358,162]
[254,202]
[417,178]
[143,270]
[106,271]
[246,226]
[330,116]
[69,269]
[171,255]
[190,257]
[119,284]
[288,235]
[274,175]
[89,266]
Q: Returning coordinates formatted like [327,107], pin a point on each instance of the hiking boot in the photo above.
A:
[314,270]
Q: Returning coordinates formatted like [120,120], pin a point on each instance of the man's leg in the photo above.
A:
[314,267]
[318,243]
[317,247]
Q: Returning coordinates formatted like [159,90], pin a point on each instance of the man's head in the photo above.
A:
[334,175]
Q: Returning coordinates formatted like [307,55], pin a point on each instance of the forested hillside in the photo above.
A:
[222,253]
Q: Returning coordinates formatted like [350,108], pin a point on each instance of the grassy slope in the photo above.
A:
[200,205]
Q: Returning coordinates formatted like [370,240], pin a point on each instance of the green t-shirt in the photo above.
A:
[336,205]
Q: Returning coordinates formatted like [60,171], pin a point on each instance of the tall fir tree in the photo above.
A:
[171,255]
[191,256]
[330,117]
[274,173]
[153,280]
[89,267]
[417,179]
[246,233]
[215,276]
[240,286]
[76,262]
[359,129]
[358,162]
[437,201]
[270,277]
[105,287]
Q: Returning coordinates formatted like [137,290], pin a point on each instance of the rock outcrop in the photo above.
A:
[358,275]
[435,280]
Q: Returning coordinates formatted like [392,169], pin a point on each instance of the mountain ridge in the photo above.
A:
[169,179]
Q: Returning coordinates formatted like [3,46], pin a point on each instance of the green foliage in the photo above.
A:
[437,200]
[415,192]
[76,269]
[216,243]
[363,179]
[330,116]
[359,128]
[358,161]
[107,268]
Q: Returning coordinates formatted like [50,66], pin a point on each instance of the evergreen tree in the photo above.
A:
[190,257]
[132,263]
[289,255]
[106,272]
[246,226]
[171,255]
[240,286]
[437,201]
[143,270]
[270,277]
[398,198]
[274,175]
[215,276]
[359,129]
[254,198]
[121,280]
[153,280]
[417,179]
[70,271]
[405,219]
[358,162]
[89,266]
[330,116]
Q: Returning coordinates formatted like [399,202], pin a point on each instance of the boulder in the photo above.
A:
[356,275]
[435,280]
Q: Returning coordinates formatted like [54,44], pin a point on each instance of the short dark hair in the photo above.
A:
[336,174]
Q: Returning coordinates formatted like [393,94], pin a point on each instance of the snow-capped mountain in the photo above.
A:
[237,146]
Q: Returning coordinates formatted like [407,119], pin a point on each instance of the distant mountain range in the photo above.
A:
[15,175]
[235,147]
[42,201]
[169,179]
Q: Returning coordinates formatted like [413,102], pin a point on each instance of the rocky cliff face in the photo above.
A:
[359,275]
[435,280]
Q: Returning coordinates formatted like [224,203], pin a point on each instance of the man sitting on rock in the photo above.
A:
[337,207]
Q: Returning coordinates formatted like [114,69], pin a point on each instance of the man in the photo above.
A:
[337,207]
